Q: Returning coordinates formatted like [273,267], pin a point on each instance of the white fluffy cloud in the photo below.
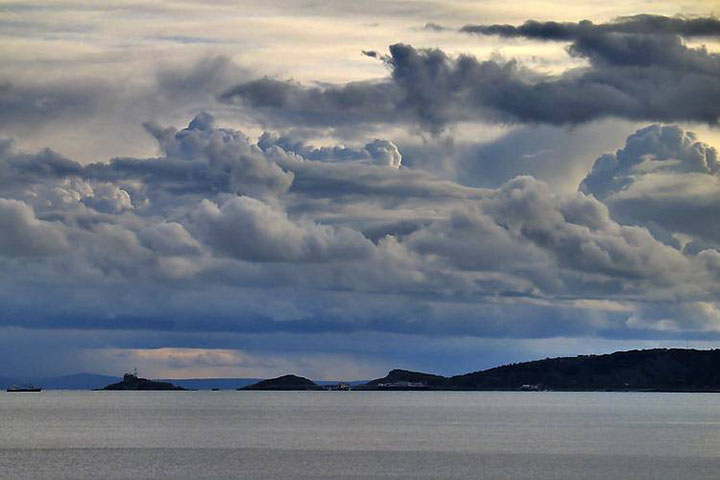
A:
[656,149]
[664,178]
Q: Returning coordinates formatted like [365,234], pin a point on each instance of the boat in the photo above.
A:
[23,388]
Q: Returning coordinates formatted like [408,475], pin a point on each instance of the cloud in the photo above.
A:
[185,357]
[643,24]
[29,168]
[90,115]
[28,103]
[361,101]
[109,198]
[664,178]
[168,238]
[378,152]
[435,27]
[23,235]
[552,244]
[696,316]
[653,149]
[248,229]
[222,233]
[637,77]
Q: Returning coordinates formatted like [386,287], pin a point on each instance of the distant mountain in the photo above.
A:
[133,382]
[286,382]
[650,370]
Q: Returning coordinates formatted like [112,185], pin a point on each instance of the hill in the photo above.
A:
[657,369]
[638,370]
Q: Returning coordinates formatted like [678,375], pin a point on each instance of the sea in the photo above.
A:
[358,435]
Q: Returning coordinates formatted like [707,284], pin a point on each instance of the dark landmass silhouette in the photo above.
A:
[133,382]
[286,382]
[671,370]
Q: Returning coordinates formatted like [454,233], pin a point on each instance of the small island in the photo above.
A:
[131,381]
[286,382]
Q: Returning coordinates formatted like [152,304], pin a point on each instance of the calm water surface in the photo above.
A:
[308,435]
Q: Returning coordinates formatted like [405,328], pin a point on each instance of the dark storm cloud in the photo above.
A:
[635,24]
[361,101]
[636,77]
[665,52]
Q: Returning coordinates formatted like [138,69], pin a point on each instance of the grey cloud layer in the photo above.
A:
[356,243]
[24,235]
[636,24]
[251,230]
[639,69]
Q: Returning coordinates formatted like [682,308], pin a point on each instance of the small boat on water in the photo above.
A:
[23,388]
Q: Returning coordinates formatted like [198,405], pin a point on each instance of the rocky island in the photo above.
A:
[286,382]
[131,381]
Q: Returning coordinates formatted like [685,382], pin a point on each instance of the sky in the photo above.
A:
[337,188]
